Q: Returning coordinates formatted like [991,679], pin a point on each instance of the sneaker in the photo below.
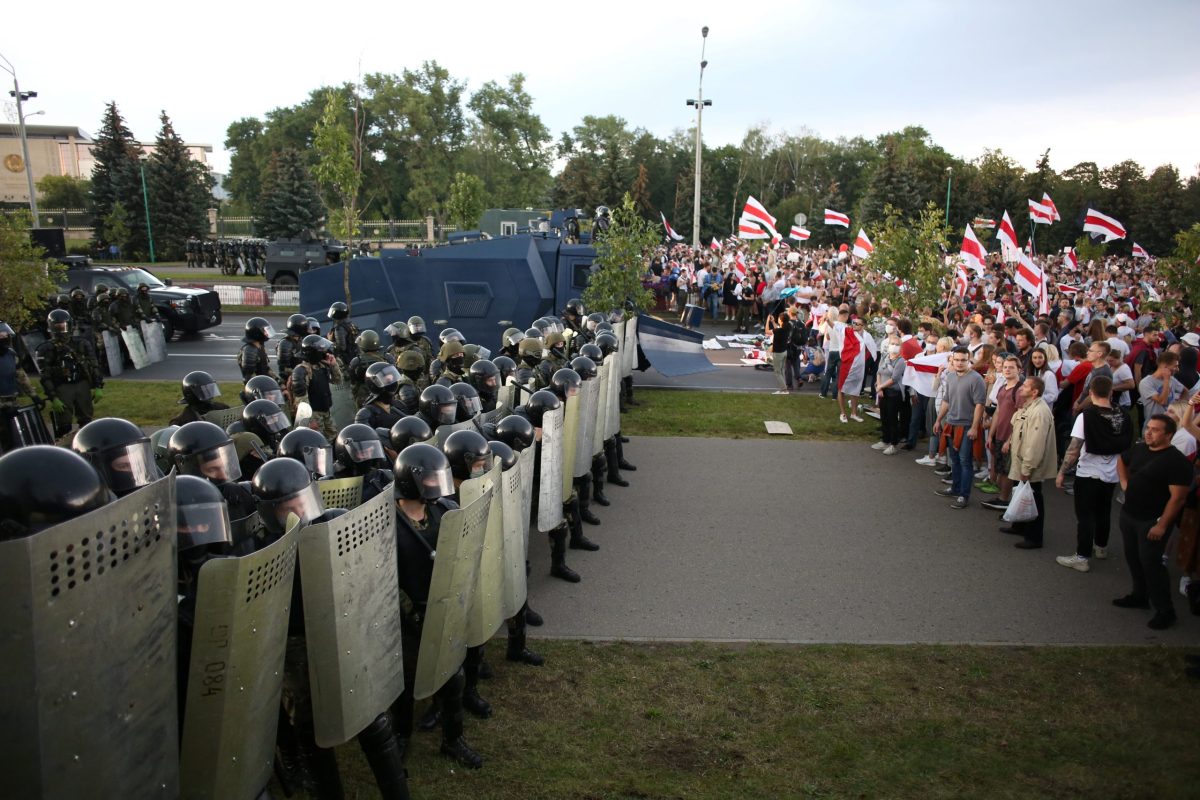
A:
[995,505]
[1100,552]
[781,391]
[842,418]
[982,475]
[891,450]
[1074,562]
[1161,621]
[926,461]
[947,481]
[942,470]
[987,487]
[879,446]
[947,492]
[874,414]
[856,418]
[959,503]
[941,460]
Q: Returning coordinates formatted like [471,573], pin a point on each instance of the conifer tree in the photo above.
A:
[116,179]
[180,190]
[289,206]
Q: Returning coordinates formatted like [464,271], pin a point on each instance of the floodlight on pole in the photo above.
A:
[21,97]
[699,103]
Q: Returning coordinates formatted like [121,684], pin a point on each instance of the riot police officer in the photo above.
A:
[288,351]
[601,223]
[554,358]
[423,484]
[119,451]
[517,433]
[383,380]
[252,358]
[566,384]
[467,400]
[144,304]
[41,486]
[343,333]
[398,334]
[357,451]
[203,450]
[438,406]
[368,354]
[586,369]
[535,409]
[452,357]
[509,341]
[412,366]
[267,421]
[262,387]
[416,331]
[531,356]
[409,430]
[13,382]
[199,395]
[613,453]
[313,380]
[485,377]
[70,375]
[309,448]
[124,313]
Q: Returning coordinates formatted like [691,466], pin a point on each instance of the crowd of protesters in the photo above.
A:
[1095,394]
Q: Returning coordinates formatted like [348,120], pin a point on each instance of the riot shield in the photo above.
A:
[444,634]
[570,441]
[612,411]
[516,525]
[629,350]
[443,431]
[137,350]
[112,353]
[527,466]
[236,671]
[604,378]
[25,426]
[156,343]
[87,638]
[341,492]
[344,408]
[351,591]
[550,481]
[506,397]
[619,331]
[486,613]
[588,397]
[224,417]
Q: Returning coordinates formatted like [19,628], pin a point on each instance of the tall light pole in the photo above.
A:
[949,178]
[146,205]
[21,97]
[699,103]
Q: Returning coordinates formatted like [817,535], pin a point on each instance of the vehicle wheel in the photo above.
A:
[168,330]
[285,281]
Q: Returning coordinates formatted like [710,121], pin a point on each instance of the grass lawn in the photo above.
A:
[195,276]
[733,415]
[766,721]
[151,403]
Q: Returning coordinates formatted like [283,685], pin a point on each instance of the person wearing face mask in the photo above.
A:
[894,407]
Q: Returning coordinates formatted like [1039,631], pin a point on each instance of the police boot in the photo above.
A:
[321,765]
[583,490]
[610,455]
[517,651]
[454,746]
[599,467]
[289,762]
[533,618]
[431,718]
[578,540]
[471,701]
[621,462]
[558,556]
[627,390]
[385,757]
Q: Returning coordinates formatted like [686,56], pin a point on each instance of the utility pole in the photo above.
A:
[699,103]
[20,97]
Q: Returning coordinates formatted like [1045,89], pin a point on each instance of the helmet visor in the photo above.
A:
[275,423]
[274,395]
[305,504]
[416,326]
[472,405]
[206,391]
[572,390]
[268,331]
[361,452]
[319,460]
[386,377]
[203,524]
[219,464]
[129,467]
[446,413]
[434,483]
[484,353]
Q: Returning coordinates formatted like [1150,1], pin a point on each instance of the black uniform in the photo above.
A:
[252,359]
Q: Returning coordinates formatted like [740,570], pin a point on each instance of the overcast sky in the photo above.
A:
[1093,81]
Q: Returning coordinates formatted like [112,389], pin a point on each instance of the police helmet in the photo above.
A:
[436,368]
[310,448]
[556,343]
[469,454]
[398,331]
[508,458]
[411,361]
[265,419]
[201,514]
[544,325]
[368,341]
[416,326]
[533,333]
[530,349]
[593,319]
[607,344]
[574,308]
[468,401]
[451,348]
[59,321]
[284,486]
[565,383]
[584,366]
[512,337]
[539,403]
[43,485]
[422,473]
[262,387]
[313,325]
[451,335]
[357,449]
[484,375]
[198,388]
[120,452]
[439,404]
[408,397]
[298,324]
[409,430]
[314,348]
[382,378]
[158,444]
[338,310]
[258,329]
[516,431]
[204,450]
[593,352]
[505,365]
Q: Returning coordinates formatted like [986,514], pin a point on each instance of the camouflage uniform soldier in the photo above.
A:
[416,331]
[412,366]
[312,381]
[555,358]
[71,377]
[124,313]
[13,382]
[144,304]
[453,360]
[368,346]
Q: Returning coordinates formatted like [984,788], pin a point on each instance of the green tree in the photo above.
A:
[509,144]
[465,206]
[245,142]
[180,191]
[621,260]
[289,206]
[1160,211]
[912,252]
[640,192]
[63,191]
[116,178]
[1181,303]
[339,165]
[118,227]
[27,279]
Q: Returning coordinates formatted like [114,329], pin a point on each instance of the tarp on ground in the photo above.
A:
[671,349]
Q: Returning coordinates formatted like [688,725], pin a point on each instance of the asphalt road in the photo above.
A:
[789,541]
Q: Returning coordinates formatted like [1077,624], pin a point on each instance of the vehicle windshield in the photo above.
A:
[130,279]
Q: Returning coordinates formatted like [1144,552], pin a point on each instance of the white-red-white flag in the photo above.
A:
[983,222]
[755,211]
[799,234]
[1046,201]
[972,252]
[1139,251]
[1103,225]
[836,218]
[750,230]
[862,245]
[1066,288]
[670,231]
[739,265]
[715,245]
[961,281]
[1070,259]
[919,372]
[1009,244]
[1040,213]
[1044,295]
[1029,275]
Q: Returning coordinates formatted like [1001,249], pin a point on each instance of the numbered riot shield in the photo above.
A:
[550,481]
[571,409]
[224,417]
[612,411]
[629,348]
[137,351]
[112,353]
[155,342]
[604,378]
[236,671]
[486,613]
[88,615]
[444,634]
[443,431]
[344,408]
[589,395]
[341,492]
[527,466]
[516,525]
[351,591]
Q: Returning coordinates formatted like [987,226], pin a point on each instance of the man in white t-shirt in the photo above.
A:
[1110,431]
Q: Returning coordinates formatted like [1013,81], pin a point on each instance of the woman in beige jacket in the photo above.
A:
[1033,454]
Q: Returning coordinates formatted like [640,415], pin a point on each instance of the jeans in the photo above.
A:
[916,422]
[1145,560]
[712,301]
[962,469]
[791,371]
[832,365]
[1093,513]
[1032,530]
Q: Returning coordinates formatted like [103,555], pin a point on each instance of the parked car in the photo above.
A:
[183,310]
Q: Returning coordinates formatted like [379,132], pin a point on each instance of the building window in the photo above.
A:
[508,229]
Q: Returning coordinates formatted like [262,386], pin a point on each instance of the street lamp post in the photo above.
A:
[699,103]
[949,178]
[146,205]
[20,97]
